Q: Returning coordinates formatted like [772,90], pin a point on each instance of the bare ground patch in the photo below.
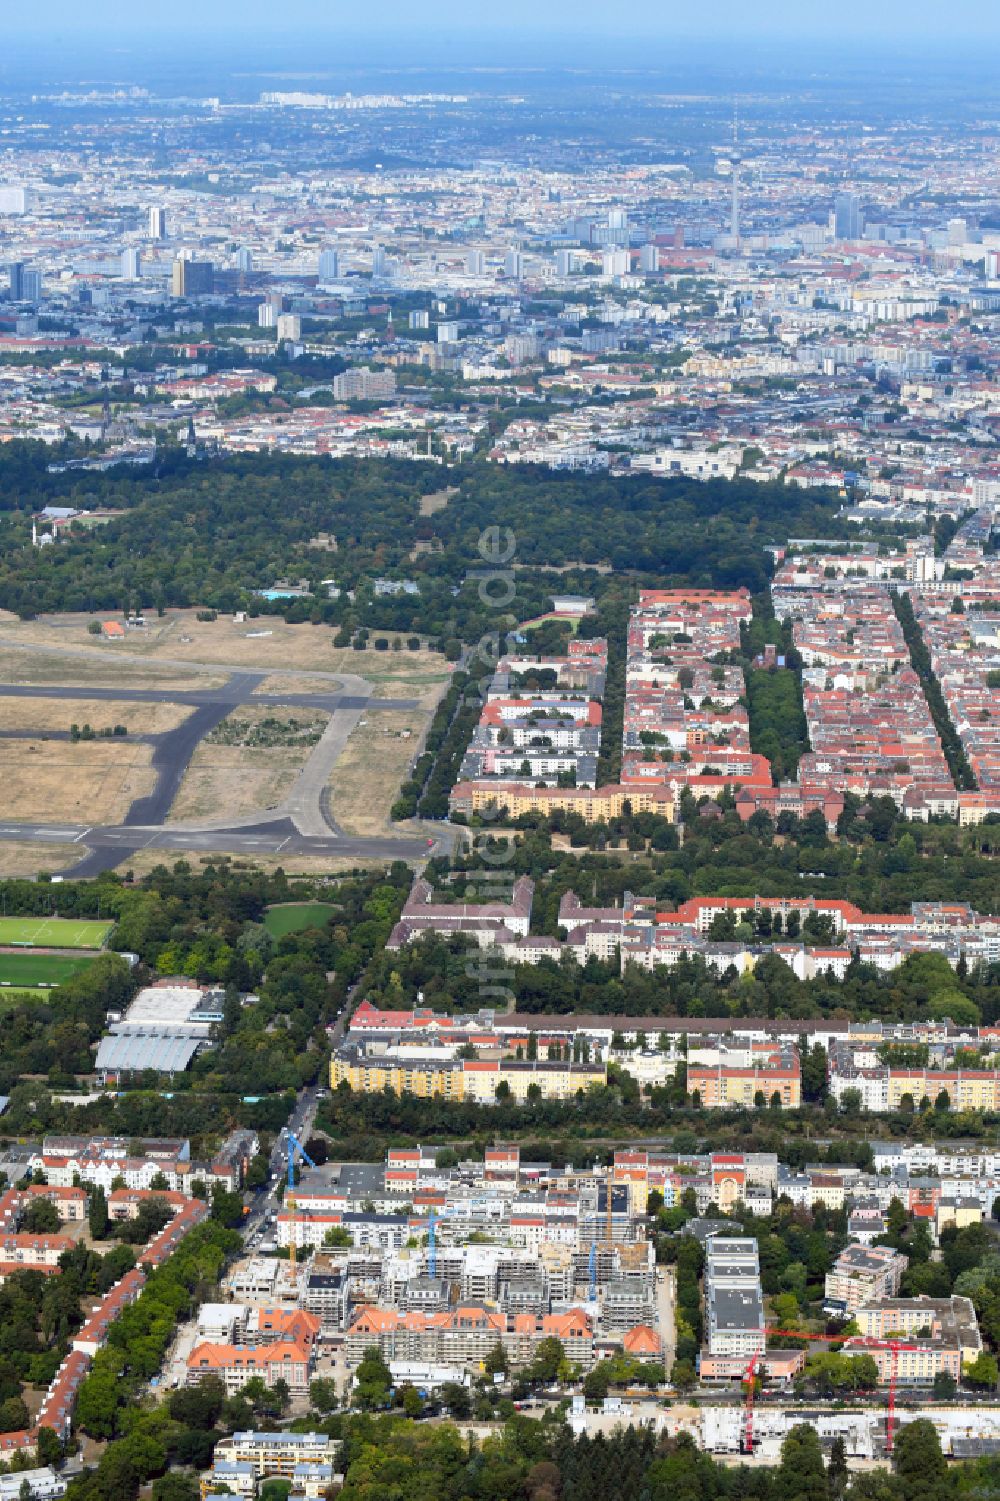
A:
[375,761]
[93,781]
[429,504]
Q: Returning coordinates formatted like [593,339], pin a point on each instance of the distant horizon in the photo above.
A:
[853,25]
[311,56]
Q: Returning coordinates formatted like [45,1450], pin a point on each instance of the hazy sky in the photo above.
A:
[849,22]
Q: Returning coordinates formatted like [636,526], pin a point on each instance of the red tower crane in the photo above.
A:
[749,1376]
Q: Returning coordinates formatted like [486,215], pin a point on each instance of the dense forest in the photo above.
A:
[208,532]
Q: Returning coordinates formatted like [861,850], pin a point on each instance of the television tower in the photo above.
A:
[734,215]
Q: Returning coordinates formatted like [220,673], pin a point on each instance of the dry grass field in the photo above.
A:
[368,774]
[94,781]
[266,642]
[73,668]
[268,645]
[246,763]
[60,713]
[34,858]
[395,674]
[141,862]
[296,682]
[225,781]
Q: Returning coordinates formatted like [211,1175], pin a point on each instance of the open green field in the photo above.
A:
[54,932]
[29,970]
[292,917]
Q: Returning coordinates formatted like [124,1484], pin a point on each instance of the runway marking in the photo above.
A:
[82,835]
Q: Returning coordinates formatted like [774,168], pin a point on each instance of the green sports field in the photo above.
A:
[54,932]
[29,970]
[294,916]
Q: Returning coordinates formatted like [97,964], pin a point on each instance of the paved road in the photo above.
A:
[172,755]
[301,824]
[666,1292]
[108,847]
[267,1202]
[239,689]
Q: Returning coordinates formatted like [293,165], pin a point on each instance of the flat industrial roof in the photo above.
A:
[135,1050]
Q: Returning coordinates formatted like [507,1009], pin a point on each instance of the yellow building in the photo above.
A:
[719,1087]
[967,1089]
[371,1074]
[593,804]
[473,1079]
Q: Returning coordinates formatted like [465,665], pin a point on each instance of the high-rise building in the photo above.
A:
[380,262]
[289,326]
[958,232]
[329,265]
[993,264]
[520,348]
[266,316]
[617,228]
[649,259]
[615,262]
[13,201]
[131,266]
[363,384]
[244,259]
[513,264]
[157,223]
[31,286]
[419,318]
[565,262]
[475,263]
[191,278]
[848,219]
[448,332]
[15,273]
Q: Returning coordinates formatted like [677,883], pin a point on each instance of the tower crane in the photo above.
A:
[294,1146]
[748,1378]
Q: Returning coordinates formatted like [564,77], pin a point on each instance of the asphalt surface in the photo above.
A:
[268,1200]
[300,825]
[106,847]
[171,759]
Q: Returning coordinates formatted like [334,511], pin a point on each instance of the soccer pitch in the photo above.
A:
[54,932]
[27,971]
